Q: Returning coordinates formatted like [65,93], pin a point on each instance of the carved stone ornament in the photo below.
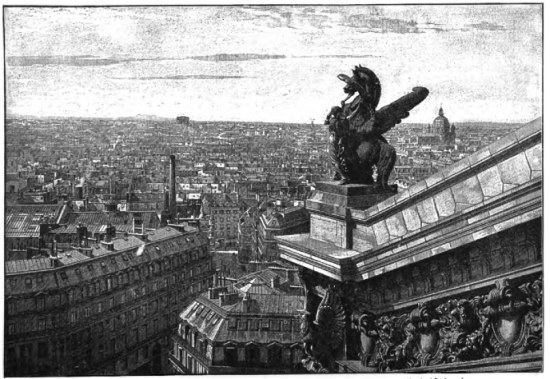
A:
[322,336]
[507,321]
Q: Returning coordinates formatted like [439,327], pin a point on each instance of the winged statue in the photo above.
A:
[323,337]
[356,142]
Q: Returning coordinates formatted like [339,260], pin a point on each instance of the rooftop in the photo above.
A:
[265,319]
[149,219]
[74,266]
[24,220]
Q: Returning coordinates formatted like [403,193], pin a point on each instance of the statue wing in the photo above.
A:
[330,319]
[392,114]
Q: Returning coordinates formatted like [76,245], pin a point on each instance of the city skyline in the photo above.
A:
[271,63]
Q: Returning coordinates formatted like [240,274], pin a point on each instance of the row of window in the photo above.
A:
[73,357]
[229,228]
[227,211]
[188,361]
[132,274]
[254,355]
[274,325]
[82,314]
[97,287]
[195,340]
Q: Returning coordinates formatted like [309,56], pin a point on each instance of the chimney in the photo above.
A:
[290,276]
[215,282]
[54,261]
[172,207]
[54,248]
[275,282]
[87,251]
[216,293]
[108,245]
[166,199]
[82,233]
[229,298]
[246,303]
[86,204]
[110,233]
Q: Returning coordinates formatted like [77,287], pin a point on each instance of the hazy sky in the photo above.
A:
[278,64]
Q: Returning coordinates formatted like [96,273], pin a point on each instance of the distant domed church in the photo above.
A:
[443,128]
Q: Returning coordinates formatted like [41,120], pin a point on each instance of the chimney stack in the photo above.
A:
[247,303]
[110,233]
[228,298]
[54,261]
[217,293]
[82,233]
[54,248]
[79,192]
[172,208]
[166,199]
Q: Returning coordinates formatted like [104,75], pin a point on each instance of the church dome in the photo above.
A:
[441,123]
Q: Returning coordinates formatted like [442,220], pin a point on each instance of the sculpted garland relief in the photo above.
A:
[507,321]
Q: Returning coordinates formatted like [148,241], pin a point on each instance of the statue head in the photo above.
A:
[365,82]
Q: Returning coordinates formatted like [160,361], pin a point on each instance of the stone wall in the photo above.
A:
[492,190]
[446,275]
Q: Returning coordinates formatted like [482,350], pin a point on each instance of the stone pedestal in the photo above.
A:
[329,208]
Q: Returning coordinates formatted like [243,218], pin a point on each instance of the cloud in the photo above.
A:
[381,24]
[235,57]
[91,60]
[186,77]
[338,56]
[484,25]
[291,17]
[72,60]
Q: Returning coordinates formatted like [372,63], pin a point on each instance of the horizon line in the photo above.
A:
[163,118]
